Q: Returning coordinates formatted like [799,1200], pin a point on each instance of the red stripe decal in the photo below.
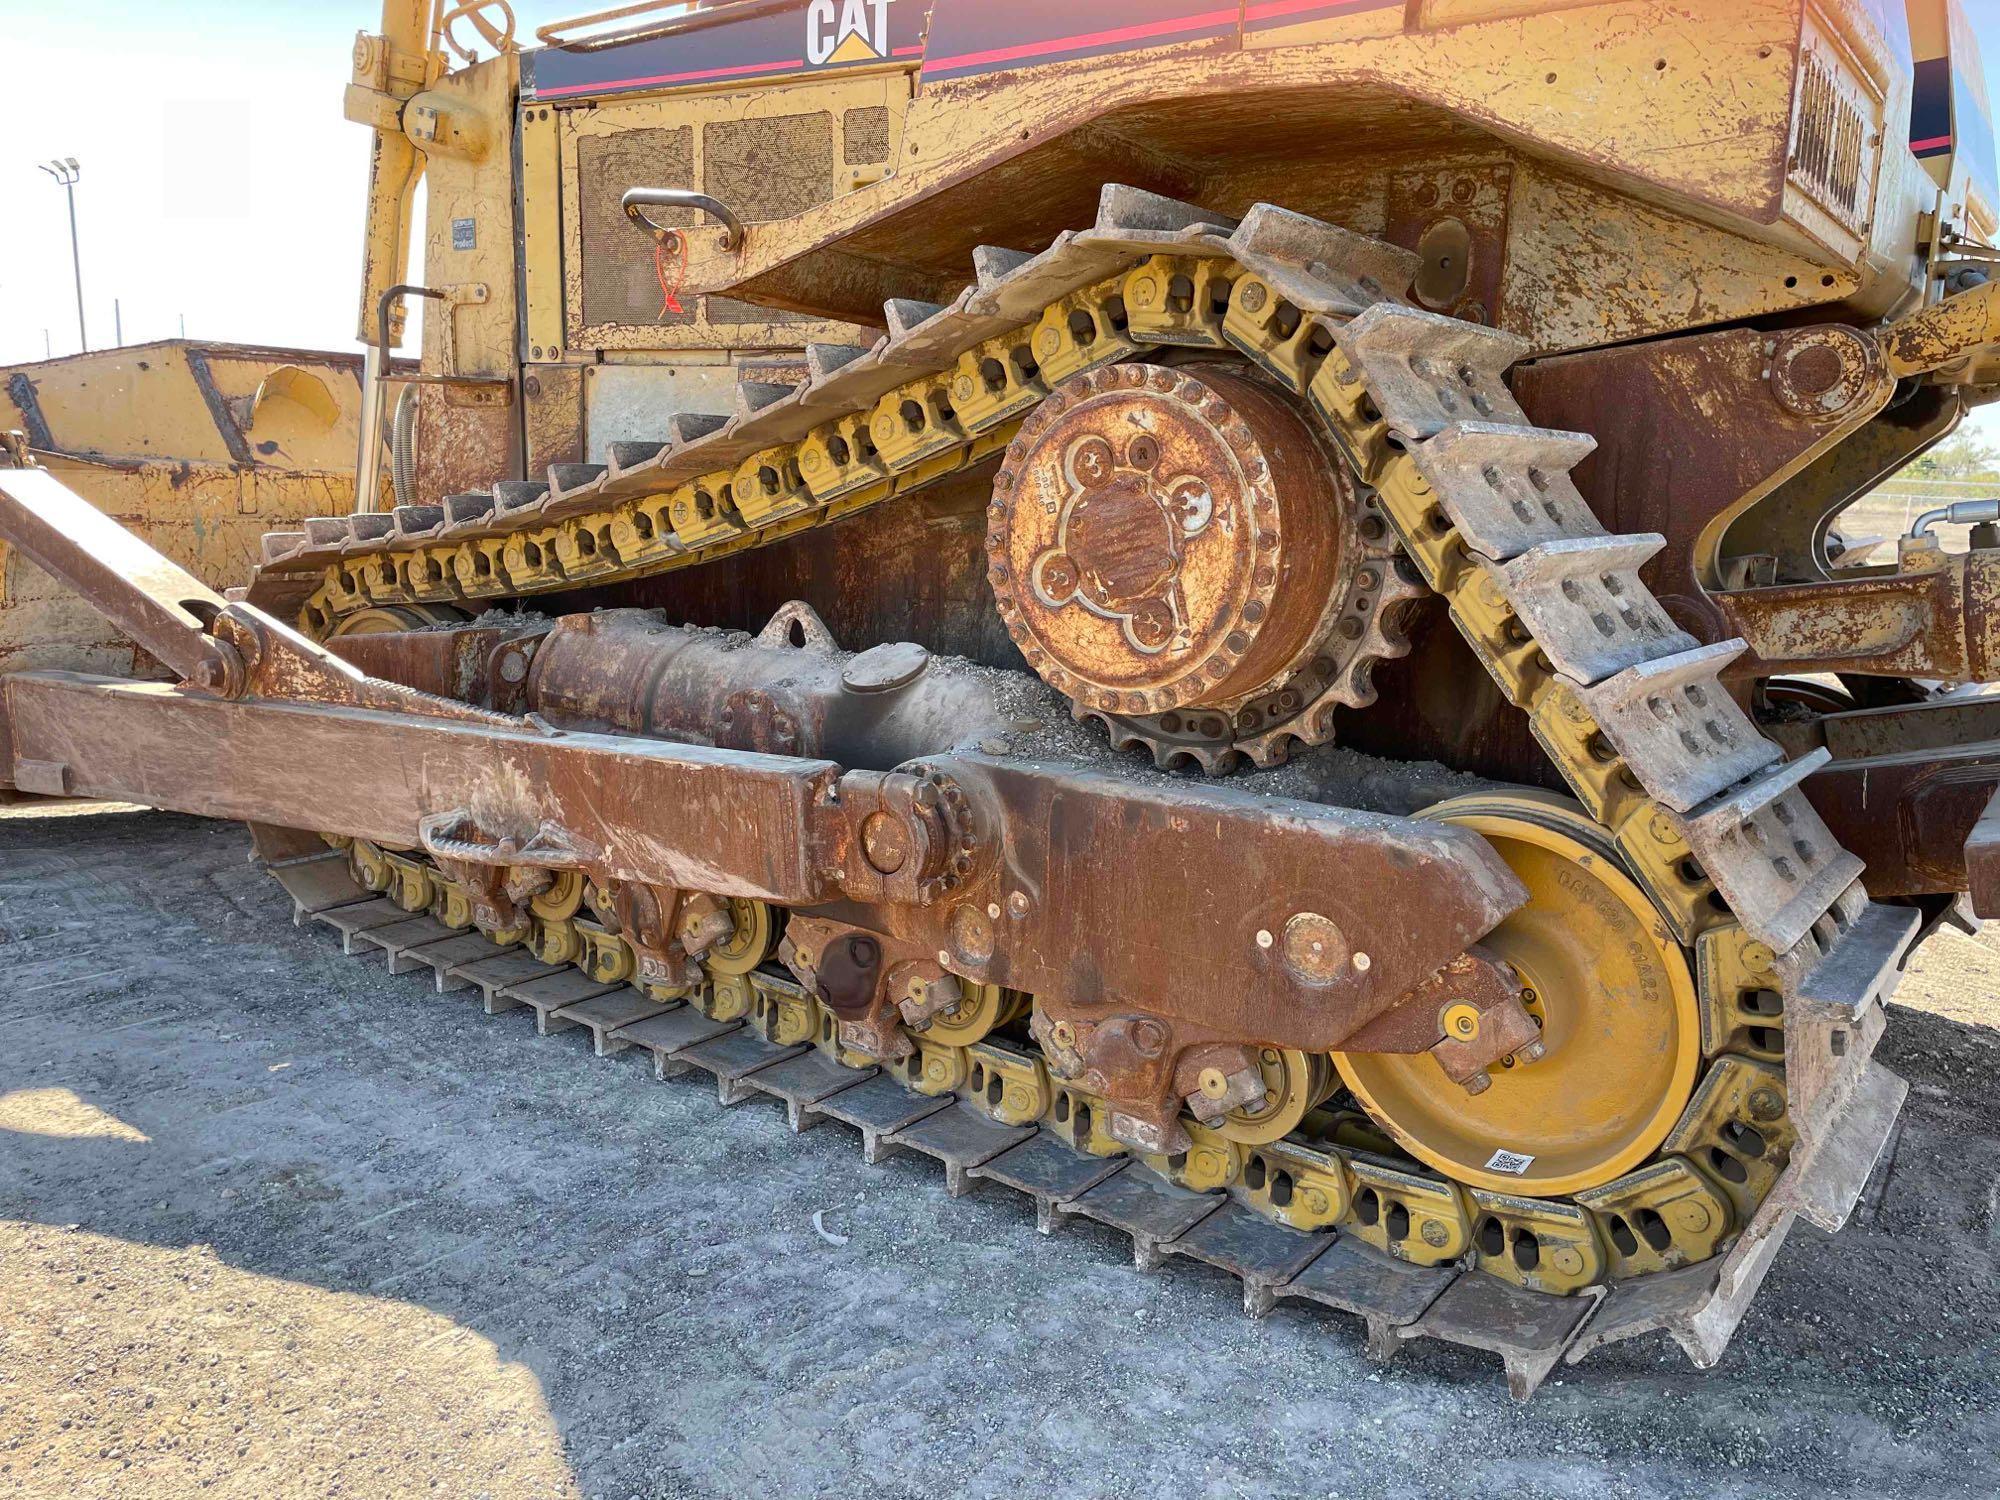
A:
[1087,39]
[1931,143]
[795,65]
[1269,9]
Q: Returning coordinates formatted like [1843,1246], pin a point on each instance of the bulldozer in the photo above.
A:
[200,446]
[1230,618]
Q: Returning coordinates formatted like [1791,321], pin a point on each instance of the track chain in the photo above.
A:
[1701,807]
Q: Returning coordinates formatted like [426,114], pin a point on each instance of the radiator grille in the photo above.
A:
[1834,141]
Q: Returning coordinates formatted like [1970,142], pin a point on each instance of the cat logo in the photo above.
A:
[846,31]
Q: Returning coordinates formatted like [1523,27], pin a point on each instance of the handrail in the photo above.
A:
[552,35]
[637,199]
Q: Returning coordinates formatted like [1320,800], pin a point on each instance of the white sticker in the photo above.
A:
[1511,1162]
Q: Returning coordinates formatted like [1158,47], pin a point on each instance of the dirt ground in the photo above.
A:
[273,1223]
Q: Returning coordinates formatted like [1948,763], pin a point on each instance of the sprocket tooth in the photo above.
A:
[1271,751]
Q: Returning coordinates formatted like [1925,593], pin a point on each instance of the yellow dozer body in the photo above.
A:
[200,448]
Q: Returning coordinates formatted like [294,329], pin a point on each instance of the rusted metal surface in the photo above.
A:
[1456,218]
[997,865]
[1790,525]
[1940,619]
[1957,328]
[292,763]
[1982,860]
[1165,538]
[485,665]
[992,866]
[1009,143]
[629,670]
[1906,787]
[1689,434]
[931,543]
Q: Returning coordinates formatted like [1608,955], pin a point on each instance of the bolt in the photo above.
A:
[1252,296]
[885,842]
[1533,1052]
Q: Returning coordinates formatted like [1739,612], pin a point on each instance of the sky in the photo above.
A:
[221,184]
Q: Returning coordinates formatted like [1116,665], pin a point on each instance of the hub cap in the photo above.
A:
[1165,538]
[1617,1002]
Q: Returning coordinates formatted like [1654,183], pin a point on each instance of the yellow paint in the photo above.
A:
[1623,1030]
[134,434]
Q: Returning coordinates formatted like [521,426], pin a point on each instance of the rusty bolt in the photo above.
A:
[885,842]
[220,671]
[1766,1104]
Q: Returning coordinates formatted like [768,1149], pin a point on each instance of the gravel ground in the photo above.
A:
[273,1223]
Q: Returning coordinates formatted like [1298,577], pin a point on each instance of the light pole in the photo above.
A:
[66,172]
